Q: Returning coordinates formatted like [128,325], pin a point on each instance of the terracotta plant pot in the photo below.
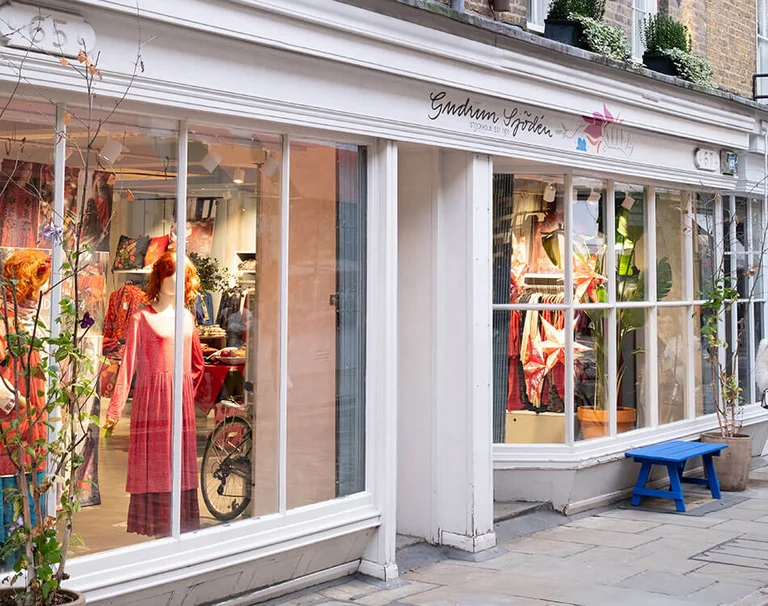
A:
[594,423]
[732,466]
[75,598]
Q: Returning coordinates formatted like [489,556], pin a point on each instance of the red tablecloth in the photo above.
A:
[213,380]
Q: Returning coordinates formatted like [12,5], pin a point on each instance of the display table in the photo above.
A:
[214,379]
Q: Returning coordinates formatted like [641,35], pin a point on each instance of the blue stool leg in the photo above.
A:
[676,488]
[642,480]
[713,482]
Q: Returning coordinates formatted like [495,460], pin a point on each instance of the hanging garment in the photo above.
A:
[204,309]
[149,354]
[20,184]
[123,303]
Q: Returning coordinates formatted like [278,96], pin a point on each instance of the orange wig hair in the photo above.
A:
[25,271]
[164,268]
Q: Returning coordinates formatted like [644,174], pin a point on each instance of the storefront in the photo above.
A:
[392,226]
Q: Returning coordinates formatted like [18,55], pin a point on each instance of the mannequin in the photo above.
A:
[30,270]
[149,354]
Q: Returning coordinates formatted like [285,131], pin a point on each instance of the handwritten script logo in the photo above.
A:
[509,122]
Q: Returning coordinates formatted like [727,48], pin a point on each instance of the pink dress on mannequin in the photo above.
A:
[149,355]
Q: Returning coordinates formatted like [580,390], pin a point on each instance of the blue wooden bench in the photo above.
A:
[674,455]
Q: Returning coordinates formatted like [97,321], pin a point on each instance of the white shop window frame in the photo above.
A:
[121,570]
[572,451]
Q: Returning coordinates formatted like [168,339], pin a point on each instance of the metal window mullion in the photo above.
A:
[688,271]
[652,314]
[282,500]
[569,312]
[178,343]
[610,272]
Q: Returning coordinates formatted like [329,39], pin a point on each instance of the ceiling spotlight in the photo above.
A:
[271,167]
[239,176]
[628,201]
[226,195]
[111,151]
[211,160]
[594,197]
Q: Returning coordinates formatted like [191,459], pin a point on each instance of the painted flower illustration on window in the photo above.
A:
[595,129]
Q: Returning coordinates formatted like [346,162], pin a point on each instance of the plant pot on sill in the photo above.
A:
[567,32]
[67,597]
[732,466]
[660,63]
[594,422]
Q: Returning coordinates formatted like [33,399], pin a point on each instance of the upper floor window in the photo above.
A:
[537,12]
[762,46]
[641,10]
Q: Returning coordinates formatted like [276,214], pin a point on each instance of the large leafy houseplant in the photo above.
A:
[49,371]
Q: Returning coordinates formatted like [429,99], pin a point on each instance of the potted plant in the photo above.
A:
[562,23]
[630,286]
[733,464]
[668,51]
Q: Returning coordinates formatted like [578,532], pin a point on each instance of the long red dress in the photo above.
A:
[149,354]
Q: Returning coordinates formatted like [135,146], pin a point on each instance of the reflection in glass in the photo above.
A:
[631,255]
[631,388]
[704,245]
[589,245]
[529,373]
[703,371]
[670,245]
[128,218]
[672,363]
[326,322]
[233,237]
[591,397]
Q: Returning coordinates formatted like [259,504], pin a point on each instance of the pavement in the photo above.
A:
[715,553]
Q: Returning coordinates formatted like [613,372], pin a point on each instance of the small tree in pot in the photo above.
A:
[668,51]
[724,292]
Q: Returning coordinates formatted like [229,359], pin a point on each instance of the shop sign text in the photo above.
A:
[506,122]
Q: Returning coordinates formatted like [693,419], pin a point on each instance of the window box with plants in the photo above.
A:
[668,51]
[580,23]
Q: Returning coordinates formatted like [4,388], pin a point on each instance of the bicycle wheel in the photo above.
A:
[226,469]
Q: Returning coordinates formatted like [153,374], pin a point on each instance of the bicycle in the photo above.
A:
[226,473]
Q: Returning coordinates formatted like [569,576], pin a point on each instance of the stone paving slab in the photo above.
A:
[603,537]
[663,518]
[615,524]
[667,583]
[723,592]
[539,546]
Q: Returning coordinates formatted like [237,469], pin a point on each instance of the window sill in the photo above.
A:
[109,574]
[534,27]
[602,450]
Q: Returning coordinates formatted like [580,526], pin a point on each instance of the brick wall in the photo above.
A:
[516,16]
[722,30]
[731,43]
[619,13]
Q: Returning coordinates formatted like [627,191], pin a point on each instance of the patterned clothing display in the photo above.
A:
[20,183]
[37,431]
[123,303]
[149,355]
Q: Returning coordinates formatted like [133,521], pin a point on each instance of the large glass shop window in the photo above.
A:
[119,210]
[529,340]
[239,286]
